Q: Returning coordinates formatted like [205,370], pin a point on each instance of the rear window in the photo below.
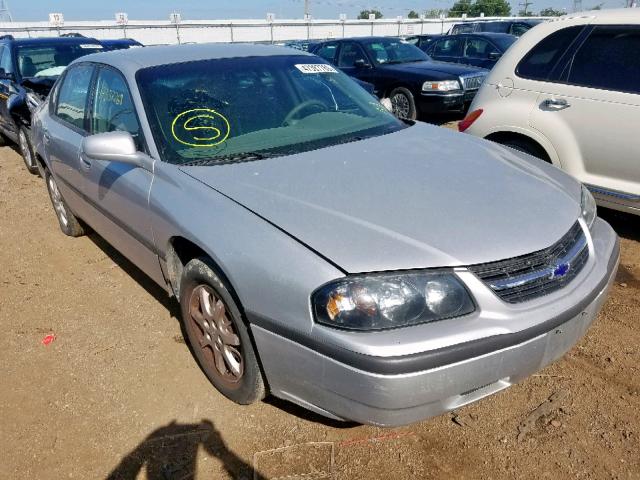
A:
[608,59]
[51,60]
[541,59]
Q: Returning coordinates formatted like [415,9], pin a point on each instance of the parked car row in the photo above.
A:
[323,251]
[402,72]
[28,69]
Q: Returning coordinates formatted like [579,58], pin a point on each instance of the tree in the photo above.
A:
[364,14]
[550,12]
[435,13]
[413,14]
[491,8]
[459,8]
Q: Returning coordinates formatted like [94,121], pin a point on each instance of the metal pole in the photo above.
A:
[271,32]
[306,9]
[178,33]
[231,31]
[372,29]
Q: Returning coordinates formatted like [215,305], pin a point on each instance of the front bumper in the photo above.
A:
[441,102]
[376,390]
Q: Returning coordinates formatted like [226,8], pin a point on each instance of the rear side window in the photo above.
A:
[449,47]
[328,52]
[72,95]
[608,59]
[495,27]
[5,60]
[541,59]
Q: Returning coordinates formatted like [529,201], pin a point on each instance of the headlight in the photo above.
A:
[443,86]
[381,301]
[588,206]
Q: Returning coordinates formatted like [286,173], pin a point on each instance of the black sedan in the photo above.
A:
[414,82]
[477,49]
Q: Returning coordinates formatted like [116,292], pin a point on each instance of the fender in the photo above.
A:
[533,135]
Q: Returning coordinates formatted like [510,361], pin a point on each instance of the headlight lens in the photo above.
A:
[588,206]
[442,86]
[382,301]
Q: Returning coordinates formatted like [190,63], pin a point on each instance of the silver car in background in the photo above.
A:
[322,250]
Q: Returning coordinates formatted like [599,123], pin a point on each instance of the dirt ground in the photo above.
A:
[118,394]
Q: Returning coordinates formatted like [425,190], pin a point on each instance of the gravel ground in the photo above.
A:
[116,393]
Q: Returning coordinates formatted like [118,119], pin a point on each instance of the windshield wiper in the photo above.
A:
[231,158]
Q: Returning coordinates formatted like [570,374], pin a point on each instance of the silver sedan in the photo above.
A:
[321,250]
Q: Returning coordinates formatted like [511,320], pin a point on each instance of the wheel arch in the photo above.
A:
[547,152]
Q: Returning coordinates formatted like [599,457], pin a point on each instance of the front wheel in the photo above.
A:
[217,334]
[26,150]
[403,103]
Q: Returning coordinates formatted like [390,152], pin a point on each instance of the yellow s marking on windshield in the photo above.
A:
[212,125]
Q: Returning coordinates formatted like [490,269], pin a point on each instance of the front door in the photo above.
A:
[118,193]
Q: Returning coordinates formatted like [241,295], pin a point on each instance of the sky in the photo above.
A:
[34,10]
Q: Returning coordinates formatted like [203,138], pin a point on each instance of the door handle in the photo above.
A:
[46,136]
[84,163]
[556,104]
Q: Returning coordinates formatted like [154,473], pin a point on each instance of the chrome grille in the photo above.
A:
[531,276]
[473,83]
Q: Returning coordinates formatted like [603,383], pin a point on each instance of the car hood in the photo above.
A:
[428,67]
[421,197]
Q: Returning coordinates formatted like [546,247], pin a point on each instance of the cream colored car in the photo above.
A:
[569,92]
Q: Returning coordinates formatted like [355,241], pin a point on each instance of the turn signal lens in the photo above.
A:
[467,121]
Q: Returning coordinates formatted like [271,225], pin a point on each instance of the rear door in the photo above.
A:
[118,193]
[447,49]
[477,51]
[592,112]
[64,130]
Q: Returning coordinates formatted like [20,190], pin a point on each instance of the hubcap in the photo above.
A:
[56,199]
[401,106]
[24,149]
[215,335]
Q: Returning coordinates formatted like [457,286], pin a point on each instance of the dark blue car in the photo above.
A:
[413,82]
[477,49]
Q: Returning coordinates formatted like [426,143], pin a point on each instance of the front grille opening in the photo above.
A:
[537,274]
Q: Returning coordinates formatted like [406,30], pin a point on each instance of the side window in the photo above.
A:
[519,29]
[72,95]
[113,109]
[349,54]
[494,27]
[328,52]
[5,60]
[477,48]
[541,59]
[448,47]
[608,59]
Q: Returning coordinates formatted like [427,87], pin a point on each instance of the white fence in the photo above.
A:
[199,31]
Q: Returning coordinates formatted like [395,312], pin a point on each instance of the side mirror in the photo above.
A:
[494,55]
[360,63]
[115,147]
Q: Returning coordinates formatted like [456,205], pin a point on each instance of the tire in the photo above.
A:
[217,334]
[525,146]
[404,105]
[26,150]
[69,224]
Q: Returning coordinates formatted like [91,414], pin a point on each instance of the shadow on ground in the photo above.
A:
[625,224]
[170,453]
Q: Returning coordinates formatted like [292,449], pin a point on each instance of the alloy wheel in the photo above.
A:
[25,151]
[215,335]
[401,105]
[56,199]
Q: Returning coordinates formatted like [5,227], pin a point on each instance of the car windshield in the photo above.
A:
[50,60]
[230,110]
[392,50]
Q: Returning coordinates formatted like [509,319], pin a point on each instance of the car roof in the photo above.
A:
[482,34]
[51,40]
[135,59]
[613,15]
